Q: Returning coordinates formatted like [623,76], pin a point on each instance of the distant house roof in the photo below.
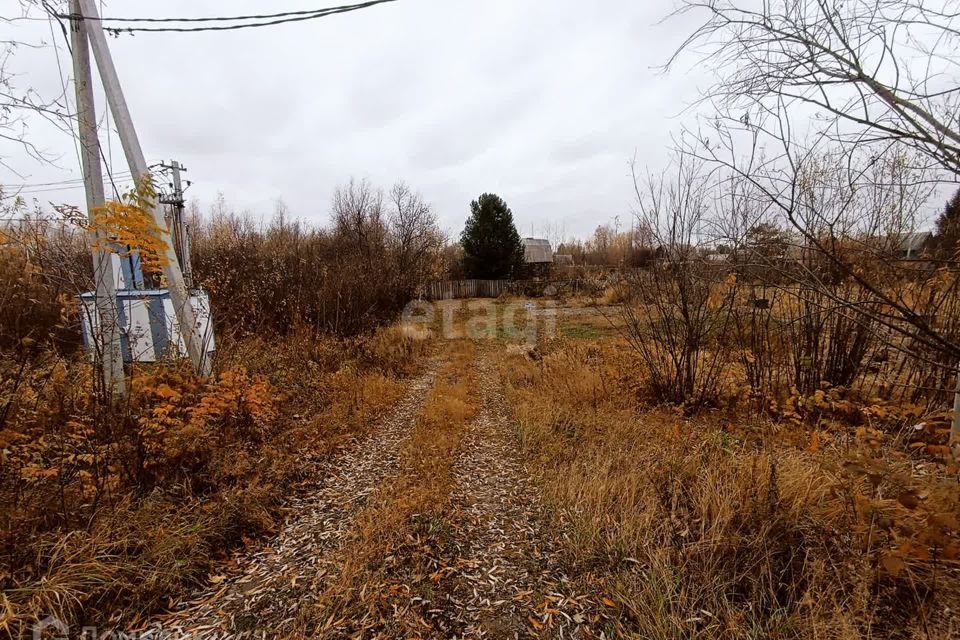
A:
[914,242]
[537,250]
[563,258]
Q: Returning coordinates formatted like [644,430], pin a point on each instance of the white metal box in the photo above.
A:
[148,325]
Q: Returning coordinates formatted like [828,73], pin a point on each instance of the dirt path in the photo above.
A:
[508,578]
[489,565]
[262,597]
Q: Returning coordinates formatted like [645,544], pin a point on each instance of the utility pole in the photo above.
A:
[107,336]
[179,295]
[178,226]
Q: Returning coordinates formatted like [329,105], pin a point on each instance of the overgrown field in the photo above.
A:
[114,511]
[109,510]
[821,516]
[728,454]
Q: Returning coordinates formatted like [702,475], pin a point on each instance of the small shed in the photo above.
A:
[563,259]
[537,251]
[537,257]
[911,245]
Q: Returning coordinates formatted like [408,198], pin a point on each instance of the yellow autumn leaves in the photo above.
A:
[186,420]
[125,226]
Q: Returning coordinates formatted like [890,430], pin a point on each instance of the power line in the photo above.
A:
[51,218]
[271,19]
[262,16]
[57,183]
[29,192]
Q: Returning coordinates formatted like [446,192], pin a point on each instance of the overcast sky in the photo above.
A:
[543,102]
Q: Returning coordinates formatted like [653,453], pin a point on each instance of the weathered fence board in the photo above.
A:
[455,289]
[458,289]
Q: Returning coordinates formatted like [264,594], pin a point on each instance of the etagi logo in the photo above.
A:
[519,321]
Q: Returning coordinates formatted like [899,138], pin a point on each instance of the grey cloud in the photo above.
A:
[542,102]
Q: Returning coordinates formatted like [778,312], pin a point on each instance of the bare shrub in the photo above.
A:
[43,263]
[681,307]
[827,343]
[851,183]
[344,280]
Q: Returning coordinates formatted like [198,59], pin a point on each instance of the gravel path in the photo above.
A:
[263,596]
[507,571]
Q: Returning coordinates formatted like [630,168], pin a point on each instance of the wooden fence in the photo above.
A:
[457,289]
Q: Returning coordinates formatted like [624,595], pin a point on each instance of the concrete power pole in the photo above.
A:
[107,337]
[179,295]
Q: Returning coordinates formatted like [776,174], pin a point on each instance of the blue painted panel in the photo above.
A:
[158,326]
[124,338]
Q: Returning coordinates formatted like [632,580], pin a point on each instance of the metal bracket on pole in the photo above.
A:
[178,226]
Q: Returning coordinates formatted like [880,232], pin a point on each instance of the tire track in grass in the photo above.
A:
[507,577]
[386,587]
[264,596]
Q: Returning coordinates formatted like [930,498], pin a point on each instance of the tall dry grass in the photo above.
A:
[714,528]
[109,514]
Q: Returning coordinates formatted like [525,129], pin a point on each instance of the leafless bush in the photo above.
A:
[842,121]
[826,343]
[344,280]
[43,264]
[682,306]
[837,292]
[755,334]
[839,303]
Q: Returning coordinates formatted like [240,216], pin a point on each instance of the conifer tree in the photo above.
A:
[491,245]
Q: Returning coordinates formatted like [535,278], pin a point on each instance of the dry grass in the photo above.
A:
[115,545]
[393,552]
[614,294]
[701,532]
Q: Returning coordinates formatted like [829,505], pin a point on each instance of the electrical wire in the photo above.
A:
[262,16]
[271,19]
[57,183]
[32,192]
